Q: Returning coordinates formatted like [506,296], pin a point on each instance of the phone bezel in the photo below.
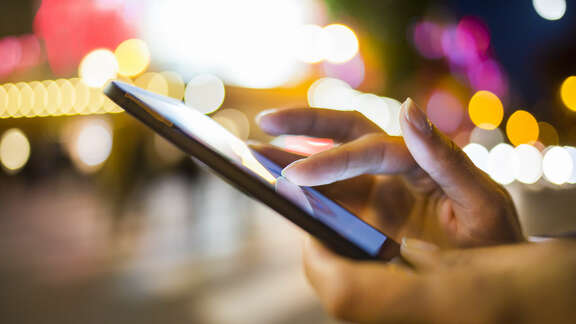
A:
[237,177]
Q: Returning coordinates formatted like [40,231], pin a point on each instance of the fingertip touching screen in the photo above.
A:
[208,132]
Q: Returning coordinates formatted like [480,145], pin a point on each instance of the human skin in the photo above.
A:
[425,188]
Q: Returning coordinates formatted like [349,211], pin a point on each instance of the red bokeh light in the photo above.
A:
[72,28]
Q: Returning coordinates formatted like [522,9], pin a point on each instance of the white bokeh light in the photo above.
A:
[550,9]
[572,151]
[528,164]
[340,43]
[478,154]
[14,150]
[331,93]
[93,143]
[98,67]
[557,165]
[374,108]
[205,93]
[500,165]
[309,44]
[248,43]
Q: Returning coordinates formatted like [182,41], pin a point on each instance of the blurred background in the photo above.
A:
[104,222]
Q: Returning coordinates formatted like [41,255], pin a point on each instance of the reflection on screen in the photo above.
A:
[210,133]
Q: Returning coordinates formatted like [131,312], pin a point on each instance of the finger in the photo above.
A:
[342,126]
[370,154]
[276,154]
[440,158]
[423,256]
[364,291]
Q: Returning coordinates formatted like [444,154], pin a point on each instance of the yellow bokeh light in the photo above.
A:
[68,93]
[14,150]
[548,134]
[28,98]
[82,95]
[154,82]
[176,86]
[54,98]
[14,99]
[98,67]
[3,101]
[486,110]
[340,43]
[522,128]
[40,98]
[96,102]
[568,92]
[133,57]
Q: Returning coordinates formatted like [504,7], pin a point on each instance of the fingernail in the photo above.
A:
[416,117]
[287,170]
[414,244]
[264,113]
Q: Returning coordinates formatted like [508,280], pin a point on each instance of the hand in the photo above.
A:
[421,186]
[520,283]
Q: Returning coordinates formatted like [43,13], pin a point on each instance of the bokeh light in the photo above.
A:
[528,162]
[10,55]
[14,99]
[340,43]
[176,86]
[82,95]
[40,98]
[133,57]
[235,121]
[548,135]
[375,108]
[3,102]
[28,99]
[572,151]
[153,82]
[68,93]
[205,93]
[445,111]
[501,163]
[522,128]
[568,92]
[93,144]
[478,154]
[352,71]
[98,67]
[486,110]
[331,93]
[309,45]
[557,165]
[54,98]
[550,9]
[14,150]
[487,138]
[427,38]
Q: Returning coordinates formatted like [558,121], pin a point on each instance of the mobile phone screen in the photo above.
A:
[207,131]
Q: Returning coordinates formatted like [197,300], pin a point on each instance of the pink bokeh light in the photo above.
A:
[445,111]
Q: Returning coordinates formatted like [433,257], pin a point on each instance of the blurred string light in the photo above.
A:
[568,92]
[14,150]
[550,9]
[247,43]
[478,154]
[557,165]
[528,162]
[501,163]
[522,128]
[63,97]
[486,110]
[445,111]
[133,57]
[98,67]
[89,142]
[548,135]
[205,93]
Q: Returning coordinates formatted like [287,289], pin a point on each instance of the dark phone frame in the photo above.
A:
[237,177]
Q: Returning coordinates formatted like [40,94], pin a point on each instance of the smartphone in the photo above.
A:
[252,173]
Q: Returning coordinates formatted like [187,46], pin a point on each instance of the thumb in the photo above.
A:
[420,254]
[441,158]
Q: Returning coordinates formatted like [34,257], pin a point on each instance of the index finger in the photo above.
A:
[342,126]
